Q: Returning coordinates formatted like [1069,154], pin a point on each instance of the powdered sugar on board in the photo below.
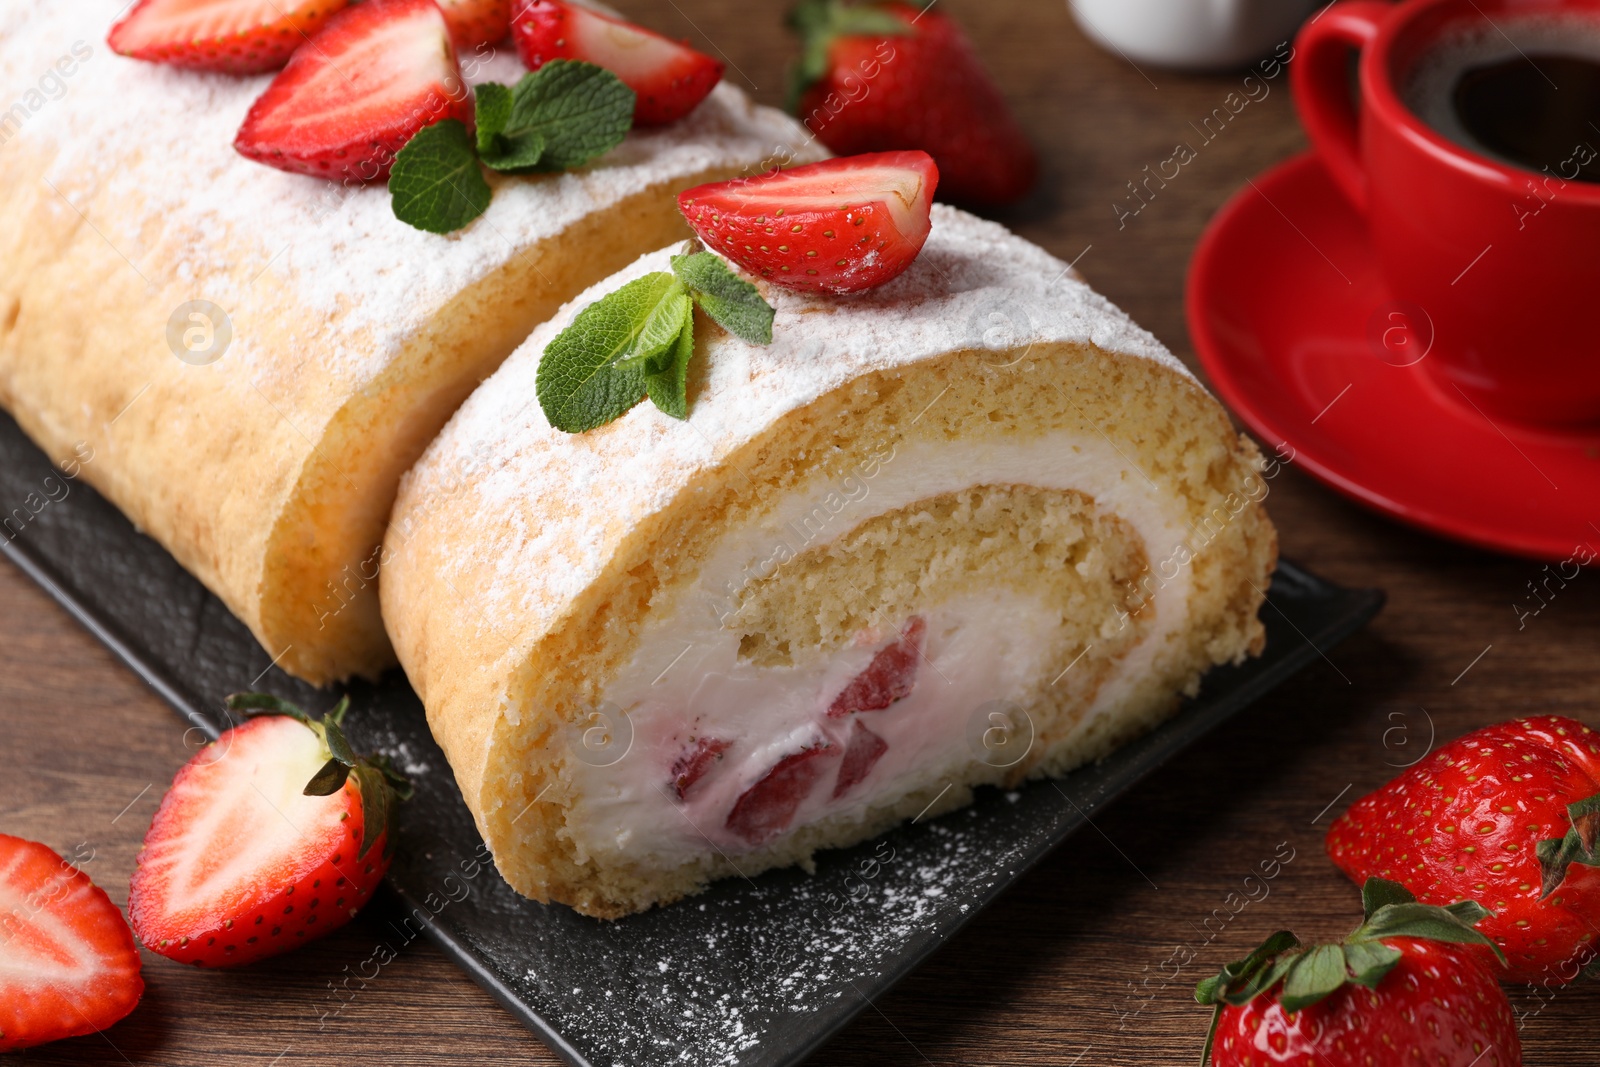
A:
[558,504]
[786,947]
[160,140]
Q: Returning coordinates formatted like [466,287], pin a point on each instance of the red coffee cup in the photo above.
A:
[1505,261]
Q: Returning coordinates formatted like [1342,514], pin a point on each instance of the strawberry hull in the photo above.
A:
[1438,1006]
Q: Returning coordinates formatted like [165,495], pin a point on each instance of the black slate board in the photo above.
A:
[756,973]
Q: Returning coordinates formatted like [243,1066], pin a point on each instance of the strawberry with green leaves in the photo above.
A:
[1406,987]
[272,835]
[874,77]
[1507,815]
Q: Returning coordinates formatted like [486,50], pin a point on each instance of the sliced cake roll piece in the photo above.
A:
[967,528]
[253,357]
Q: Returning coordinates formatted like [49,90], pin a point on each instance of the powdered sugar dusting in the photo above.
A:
[562,502]
[786,946]
[159,140]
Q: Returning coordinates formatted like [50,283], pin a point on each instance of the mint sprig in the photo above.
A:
[638,341]
[558,117]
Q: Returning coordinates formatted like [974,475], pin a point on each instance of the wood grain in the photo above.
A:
[1075,964]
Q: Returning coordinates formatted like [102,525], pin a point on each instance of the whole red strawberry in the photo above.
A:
[1507,816]
[273,835]
[1405,988]
[875,77]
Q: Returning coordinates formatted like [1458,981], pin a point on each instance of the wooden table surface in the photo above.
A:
[1075,965]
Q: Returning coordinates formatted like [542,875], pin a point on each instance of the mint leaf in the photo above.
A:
[436,184]
[562,115]
[492,109]
[669,386]
[517,151]
[596,369]
[659,333]
[733,303]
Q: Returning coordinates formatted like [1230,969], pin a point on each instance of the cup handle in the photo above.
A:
[1320,78]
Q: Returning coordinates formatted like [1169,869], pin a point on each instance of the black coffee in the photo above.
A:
[1536,111]
[1522,90]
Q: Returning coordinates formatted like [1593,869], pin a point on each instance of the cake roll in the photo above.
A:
[969,527]
[254,357]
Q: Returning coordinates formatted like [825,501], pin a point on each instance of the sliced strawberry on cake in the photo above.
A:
[274,834]
[68,964]
[360,89]
[474,23]
[838,226]
[231,36]
[670,78]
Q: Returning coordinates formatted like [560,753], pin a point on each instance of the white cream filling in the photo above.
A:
[686,678]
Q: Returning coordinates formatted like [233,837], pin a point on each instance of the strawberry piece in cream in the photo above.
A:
[766,809]
[864,750]
[888,678]
[695,760]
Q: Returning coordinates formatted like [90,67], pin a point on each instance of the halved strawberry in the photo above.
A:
[232,36]
[766,809]
[358,91]
[271,836]
[888,678]
[68,964]
[670,78]
[838,226]
[694,761]
[476,22]
[861,754]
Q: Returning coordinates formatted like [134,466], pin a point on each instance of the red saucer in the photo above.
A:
[1299,337]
